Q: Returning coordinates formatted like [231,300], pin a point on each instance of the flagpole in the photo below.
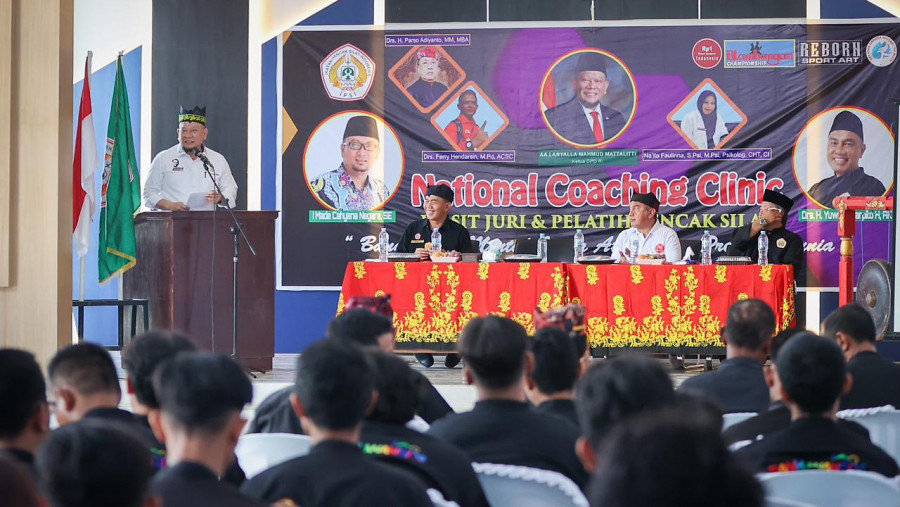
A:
[87,79]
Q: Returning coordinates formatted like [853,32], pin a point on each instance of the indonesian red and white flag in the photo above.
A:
[83,167]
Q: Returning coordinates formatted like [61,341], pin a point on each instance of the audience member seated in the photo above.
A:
[95,463]
[502,428]
[568,318]
[367,329]
[778,415]
[84,383]
[614,391]
[550,386]
[876,380]
[813,375]
[25,415]
[140,359]
[17,484]
[670,458]
[200,398]
[385,436]
[739,385]
[335,388]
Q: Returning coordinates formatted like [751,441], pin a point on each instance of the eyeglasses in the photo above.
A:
[772,208]
[355,145]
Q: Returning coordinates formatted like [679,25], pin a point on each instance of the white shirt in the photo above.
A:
[661,240]
[692,125]
[174,176]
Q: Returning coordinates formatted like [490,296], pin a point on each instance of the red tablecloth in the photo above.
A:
[626,306]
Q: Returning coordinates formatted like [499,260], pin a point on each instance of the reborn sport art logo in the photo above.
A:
[347,73]
[760,54]
[881,51]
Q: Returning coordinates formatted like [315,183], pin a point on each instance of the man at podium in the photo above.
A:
[178,181]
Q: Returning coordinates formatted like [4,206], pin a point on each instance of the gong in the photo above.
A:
[874,292]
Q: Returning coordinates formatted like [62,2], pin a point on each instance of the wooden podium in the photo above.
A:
[185,267]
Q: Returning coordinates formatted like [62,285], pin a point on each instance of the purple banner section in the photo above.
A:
[696,155]
[453,39]
[469,156]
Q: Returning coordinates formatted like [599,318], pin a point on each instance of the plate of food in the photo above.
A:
[445,257]
[651,260]
[596,259]
[522,258]
[403,257]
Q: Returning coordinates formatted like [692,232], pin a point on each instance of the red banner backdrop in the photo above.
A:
[626,305]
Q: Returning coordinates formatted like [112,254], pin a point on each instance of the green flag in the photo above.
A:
[121,193]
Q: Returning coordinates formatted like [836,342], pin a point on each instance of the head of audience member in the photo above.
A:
[614,391]
[334,390]
[569,318]
[142,357]
[495,357]
[400,390]
[748,330]
[25,417]
[95,463]
[703,409]
[82,377]
[670,458]
[365,328]
[770,372]
[813,375]
[200,397]
[17,484]
[852,327]
[556,366]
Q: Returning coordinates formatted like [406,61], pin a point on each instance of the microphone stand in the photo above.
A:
[237,228]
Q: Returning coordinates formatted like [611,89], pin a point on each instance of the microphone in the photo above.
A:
[199,154]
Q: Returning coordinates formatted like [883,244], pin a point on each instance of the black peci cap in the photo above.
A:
[845,120]
[444,191]
[778,199]
[361,126]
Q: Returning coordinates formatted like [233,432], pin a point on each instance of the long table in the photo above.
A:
[666,307]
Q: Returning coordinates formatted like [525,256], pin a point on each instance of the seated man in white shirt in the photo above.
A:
[653,237]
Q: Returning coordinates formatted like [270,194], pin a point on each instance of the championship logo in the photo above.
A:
[759,54]
[347,73]
[881,51]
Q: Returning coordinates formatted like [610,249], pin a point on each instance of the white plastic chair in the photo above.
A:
[828,488]
[883,424]
[258,451]
[734,418]
[781,502]
[519,486]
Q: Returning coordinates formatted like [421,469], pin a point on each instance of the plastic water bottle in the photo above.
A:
[706,249]
[635,245]
[384,244]
[542,247]
[435,240]
[578,245]
[763,243]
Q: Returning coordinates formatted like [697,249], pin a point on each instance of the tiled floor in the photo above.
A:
[449,381]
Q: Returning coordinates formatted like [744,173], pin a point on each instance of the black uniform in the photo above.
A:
[337,474]
[876,382]
[512,433]
[139,425]
[777,417]
[814,443]
[440,465]
[854,183]
[24,458]
[194,485]
[453,237]
[791,253]
[737,386]
[560,408]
